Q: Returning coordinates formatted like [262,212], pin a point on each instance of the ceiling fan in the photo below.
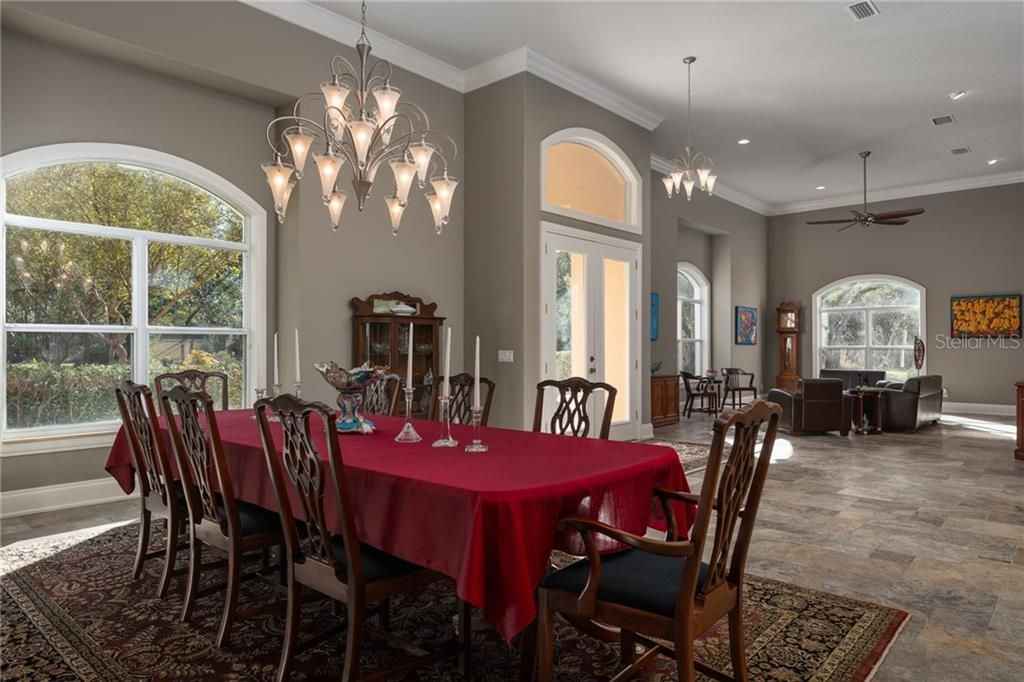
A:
[866,219]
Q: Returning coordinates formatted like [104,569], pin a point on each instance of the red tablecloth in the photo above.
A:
[488,519]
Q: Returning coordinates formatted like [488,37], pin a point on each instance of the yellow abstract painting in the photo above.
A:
[986,316]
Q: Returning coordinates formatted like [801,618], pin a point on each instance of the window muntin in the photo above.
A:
[691,320]
[869,324]
[76,318]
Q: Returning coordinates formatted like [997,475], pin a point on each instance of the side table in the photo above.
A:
[867,401]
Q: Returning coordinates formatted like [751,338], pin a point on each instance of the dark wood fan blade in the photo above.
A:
[906,213]
[828,222]
[846,227]
[902,221]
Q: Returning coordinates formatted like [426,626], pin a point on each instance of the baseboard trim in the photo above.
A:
[979,408]
[645,432]
[61,496]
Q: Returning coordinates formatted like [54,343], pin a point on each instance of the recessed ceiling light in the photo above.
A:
[820,187]
[959,94]
[993,162]
[743,141]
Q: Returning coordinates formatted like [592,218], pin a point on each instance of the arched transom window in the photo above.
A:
[586,176]
[868,322]
[692,315]
[117,271]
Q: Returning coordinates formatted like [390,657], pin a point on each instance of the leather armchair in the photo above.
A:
[917,403]
[818,405]
[853,378]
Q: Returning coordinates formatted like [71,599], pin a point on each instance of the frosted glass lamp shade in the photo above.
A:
[688,183]
[444,187]
[278,174]
[711,183]
[387,101]
[395,210]
[283,208]
[670,185]
[421,155]
[335,94]
[361,131]
[299,141]
[404,172]
[329,164]
[334,206]
[702,174]
[436,210]
[677,179]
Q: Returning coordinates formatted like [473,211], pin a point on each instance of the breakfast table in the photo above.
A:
[487,520]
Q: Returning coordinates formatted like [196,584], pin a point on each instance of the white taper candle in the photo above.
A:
[476,377]
[408,373]
[298,362]
[277,369]
[447,387]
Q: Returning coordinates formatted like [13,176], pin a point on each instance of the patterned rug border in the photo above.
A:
[893,633]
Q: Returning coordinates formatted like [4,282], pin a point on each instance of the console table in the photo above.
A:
[664,399]
[1019,452]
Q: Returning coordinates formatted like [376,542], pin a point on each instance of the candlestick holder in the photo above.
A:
[446,440]
[408,433]
[477,445]
[297,388]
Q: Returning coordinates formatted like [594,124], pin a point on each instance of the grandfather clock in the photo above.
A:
[787,324]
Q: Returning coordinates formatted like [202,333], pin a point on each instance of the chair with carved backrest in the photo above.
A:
[335,564]
[193,380]
[160,494]
[571,416]
[381,396]
[737,382]
[660,591]
[699,388]
[216,517]
[460,405]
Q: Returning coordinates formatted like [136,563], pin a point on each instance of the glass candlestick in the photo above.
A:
[275,391]
[408,433]
[260,394]
[477,445]
[446,440]
[297,388]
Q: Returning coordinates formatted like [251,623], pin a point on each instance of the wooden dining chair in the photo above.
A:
[193,380]
[381,396]
[660,591]
[460,405]
[216,517]
[337,565]
[160,494]
[737,382]
[571,416]
[699,388]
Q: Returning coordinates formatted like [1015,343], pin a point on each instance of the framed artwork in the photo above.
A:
[746,326]
[989,316]
[655,315]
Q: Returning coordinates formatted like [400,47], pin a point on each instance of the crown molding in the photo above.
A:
[722,190]
[941,187]
[320,20]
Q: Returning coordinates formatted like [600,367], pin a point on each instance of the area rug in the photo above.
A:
[693,456]
[70,612]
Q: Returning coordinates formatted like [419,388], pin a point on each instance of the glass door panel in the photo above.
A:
[616,335]
[571,342]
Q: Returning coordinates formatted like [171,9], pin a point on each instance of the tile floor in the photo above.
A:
[931,522]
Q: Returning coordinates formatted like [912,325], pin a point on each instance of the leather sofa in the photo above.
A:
[853,378]
[818,405]
[916,403]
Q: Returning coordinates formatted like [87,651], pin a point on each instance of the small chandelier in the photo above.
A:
[690,168]
[363,135]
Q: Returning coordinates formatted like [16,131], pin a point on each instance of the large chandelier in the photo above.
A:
[362,129]
[691,168]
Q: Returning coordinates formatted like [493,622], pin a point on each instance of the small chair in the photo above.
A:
[381,396]
[160,494]
[571,416]
[659,591]
[216,518]
[817,406]
[460,405]
[192,380]
[699,388]
[338,566]
[737,382]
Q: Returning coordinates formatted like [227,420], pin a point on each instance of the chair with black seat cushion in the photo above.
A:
[572,416]
[381,396]
[659,591]
[193,380]
[216,517]
[737,382]
[160,494]
[460,405]
[337,565]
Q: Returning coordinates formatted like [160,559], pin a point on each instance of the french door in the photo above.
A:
[590,319]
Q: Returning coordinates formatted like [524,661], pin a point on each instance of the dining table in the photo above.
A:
[487,520]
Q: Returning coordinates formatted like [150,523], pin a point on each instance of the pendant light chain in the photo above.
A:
[689,105]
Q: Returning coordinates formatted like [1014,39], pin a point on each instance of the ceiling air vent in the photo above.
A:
[943,120]
[960,150]
[862,10]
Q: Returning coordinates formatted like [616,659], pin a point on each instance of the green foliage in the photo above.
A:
[46,393]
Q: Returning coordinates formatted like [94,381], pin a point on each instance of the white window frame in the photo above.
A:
[817,309]
[703,339]
[254,265]
[619,160]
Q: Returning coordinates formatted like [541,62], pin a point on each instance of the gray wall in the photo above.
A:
[968,242]
[694,247]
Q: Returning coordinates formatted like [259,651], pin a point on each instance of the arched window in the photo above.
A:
[122,263]
[693,312]
[868,322]
[586,176]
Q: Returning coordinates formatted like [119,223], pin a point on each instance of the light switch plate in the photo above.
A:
[506,356]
